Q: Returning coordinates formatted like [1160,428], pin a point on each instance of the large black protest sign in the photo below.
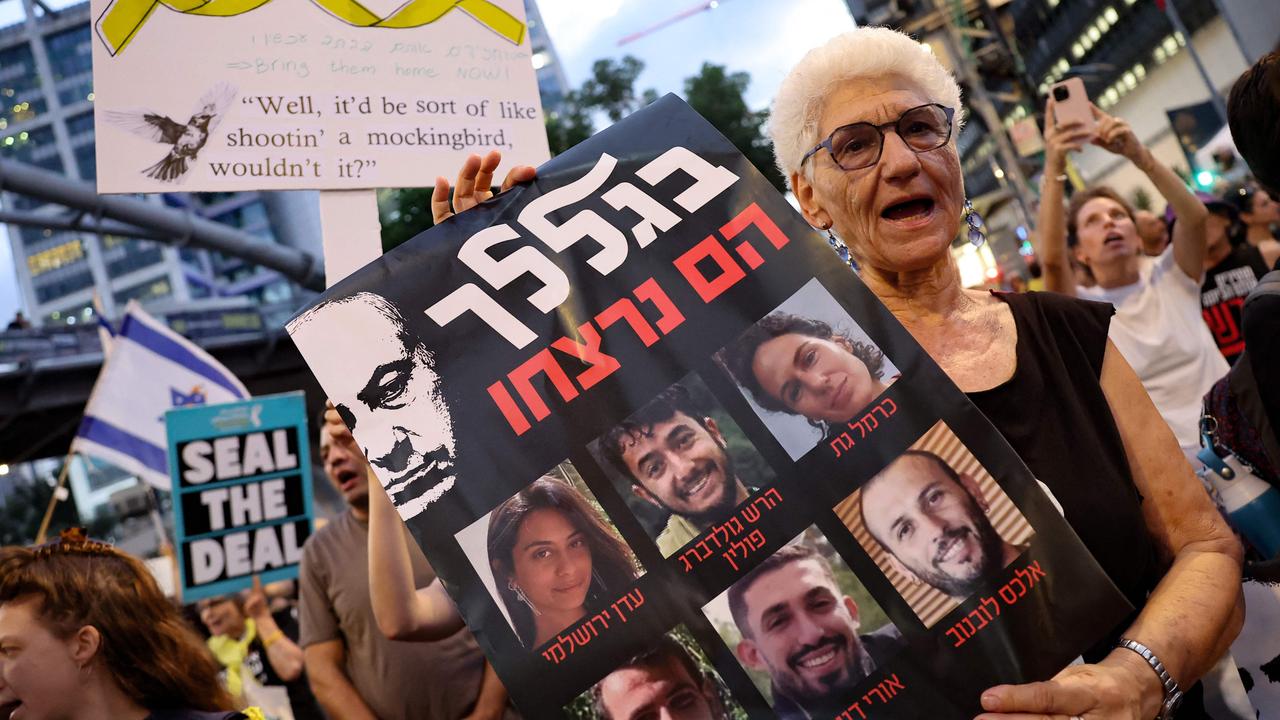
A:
[588,398]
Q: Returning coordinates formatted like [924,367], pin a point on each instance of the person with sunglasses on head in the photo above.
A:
[86,634]
[864,128]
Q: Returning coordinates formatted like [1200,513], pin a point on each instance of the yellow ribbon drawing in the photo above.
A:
[124,18]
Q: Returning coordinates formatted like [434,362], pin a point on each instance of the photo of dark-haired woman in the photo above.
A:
[548,555]
[807,368]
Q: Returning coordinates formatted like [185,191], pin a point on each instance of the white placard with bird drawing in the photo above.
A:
[210,95]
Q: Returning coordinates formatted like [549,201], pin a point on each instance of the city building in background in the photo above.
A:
[1135,64]
[46,120]
[552,84]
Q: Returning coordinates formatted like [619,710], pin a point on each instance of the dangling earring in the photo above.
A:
[974,220]
[513,587]
[842,250]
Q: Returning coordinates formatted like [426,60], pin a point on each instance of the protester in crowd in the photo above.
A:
[1252,110]
[676,459]
[1036,283]
[553,557]
[1158,326]
[1259,217]
[932,522]
[661,683]
[801,629]
[402,610]
[355,671]
[1038,365]
[805,367]
[253,643]
[1232,269]
[86,633]
[1153,231]
[19,322]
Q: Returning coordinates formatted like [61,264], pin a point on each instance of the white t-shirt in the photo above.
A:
[1159,330]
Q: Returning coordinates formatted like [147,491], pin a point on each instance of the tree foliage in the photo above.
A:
[612,87]
[610,91]
[717,95]
[403,213]
[570,125]
[24,508]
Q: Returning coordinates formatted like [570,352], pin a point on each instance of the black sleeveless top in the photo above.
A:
[1054,414]
[1223,292]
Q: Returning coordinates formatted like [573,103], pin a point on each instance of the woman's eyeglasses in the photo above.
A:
[859,145]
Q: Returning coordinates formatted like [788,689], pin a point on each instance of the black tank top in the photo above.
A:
[1054,414]
[1223,293]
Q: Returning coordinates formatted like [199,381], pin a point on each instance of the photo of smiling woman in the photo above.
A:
[550,556]
[807,372]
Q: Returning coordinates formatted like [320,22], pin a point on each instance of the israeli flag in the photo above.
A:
[147,370]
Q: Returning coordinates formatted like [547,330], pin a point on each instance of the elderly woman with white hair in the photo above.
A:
[858,127]
[864,128]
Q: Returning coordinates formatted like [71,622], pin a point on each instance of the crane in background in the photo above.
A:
[699,8]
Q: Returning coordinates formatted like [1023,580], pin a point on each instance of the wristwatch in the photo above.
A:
[1172,693]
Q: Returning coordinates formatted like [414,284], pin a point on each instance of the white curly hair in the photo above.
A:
[860,53]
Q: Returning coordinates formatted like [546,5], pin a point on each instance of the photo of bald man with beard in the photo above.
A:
[932,521]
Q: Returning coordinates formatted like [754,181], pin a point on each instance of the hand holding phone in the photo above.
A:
[1071,104]
[1065,131]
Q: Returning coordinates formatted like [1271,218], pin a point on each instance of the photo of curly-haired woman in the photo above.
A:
[807,368]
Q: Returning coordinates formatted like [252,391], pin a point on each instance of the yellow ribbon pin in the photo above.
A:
[122,19]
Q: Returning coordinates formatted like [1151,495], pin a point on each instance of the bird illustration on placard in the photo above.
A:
[186,139]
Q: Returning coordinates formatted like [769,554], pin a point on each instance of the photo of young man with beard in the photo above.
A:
[798,625]
[674,456]
[937,523]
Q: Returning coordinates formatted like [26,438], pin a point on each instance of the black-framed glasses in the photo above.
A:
[859,145]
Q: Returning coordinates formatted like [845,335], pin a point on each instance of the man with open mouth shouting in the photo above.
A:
[388,393]
[800,628]
[675,456]
[932,522]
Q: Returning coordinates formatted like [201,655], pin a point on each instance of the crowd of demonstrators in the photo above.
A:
[864,128]
[86,634]
[1158,326]
[355,670]
[258,651]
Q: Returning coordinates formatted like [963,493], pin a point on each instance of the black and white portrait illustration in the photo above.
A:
[388,393]
[185,140]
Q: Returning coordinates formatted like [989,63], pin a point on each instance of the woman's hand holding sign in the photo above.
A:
[473,186]
[1104,691]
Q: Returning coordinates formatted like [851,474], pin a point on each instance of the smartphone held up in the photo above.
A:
[1071,104]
